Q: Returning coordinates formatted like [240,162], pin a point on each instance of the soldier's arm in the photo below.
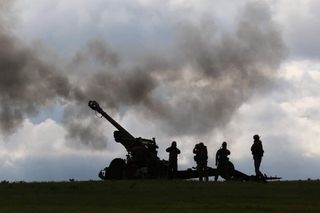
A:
[260,148]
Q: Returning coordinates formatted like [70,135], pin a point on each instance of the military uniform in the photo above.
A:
[221,161]
[201,158]
[257,152]
[173,159]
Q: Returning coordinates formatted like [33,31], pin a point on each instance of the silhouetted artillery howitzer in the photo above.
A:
[142,160]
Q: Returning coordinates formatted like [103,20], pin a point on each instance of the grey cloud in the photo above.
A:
[233,66]
[26,83]
[285,158]
[226,68]
[98,50]
[300,23]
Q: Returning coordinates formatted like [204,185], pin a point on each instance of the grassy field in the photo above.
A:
[160,196]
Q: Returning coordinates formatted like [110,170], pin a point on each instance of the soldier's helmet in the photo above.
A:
[224,144]
[174,143]
[256,137]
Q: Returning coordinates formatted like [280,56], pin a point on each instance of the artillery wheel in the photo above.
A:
[116,169]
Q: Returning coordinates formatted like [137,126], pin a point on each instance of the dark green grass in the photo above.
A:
[160,196]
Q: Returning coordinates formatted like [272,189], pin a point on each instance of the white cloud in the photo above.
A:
[39,152]
[300,24]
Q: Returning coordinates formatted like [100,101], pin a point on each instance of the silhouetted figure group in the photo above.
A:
[222,159]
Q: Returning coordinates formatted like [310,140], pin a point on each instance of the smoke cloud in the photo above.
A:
[225,69]
[195,89]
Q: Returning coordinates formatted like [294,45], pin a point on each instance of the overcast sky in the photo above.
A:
[181,70]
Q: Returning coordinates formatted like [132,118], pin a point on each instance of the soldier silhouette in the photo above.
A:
[257,152]
[222,160]
[173,159]
[201,158]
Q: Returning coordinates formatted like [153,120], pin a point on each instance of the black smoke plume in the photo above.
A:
[195,89]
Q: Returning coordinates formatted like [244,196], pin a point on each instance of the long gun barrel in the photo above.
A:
[95,106]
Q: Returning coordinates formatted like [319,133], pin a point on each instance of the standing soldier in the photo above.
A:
[173,159]
[222,160]
[257,152]
[201,158]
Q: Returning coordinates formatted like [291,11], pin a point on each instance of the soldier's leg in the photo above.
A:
[170,170]
[174,169]
[260,173]
[169,173]
[257,162]
[206,173]
[201,174]
[218,170]
[216,176]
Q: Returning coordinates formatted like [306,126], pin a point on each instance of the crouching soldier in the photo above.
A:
[222,160]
